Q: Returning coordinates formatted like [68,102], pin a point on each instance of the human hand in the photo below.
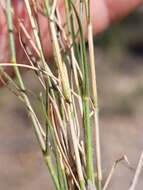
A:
[103,13]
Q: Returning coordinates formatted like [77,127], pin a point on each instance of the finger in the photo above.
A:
[105,12]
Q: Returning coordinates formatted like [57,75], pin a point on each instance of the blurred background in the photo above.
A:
[119,62]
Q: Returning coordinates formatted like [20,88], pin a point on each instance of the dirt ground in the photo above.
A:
[120,85]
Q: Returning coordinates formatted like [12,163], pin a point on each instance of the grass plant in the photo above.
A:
[68,100]
[69,136]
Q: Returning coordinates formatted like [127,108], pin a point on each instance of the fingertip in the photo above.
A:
[99,15]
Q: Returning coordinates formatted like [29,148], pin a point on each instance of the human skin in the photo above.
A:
[103,14]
